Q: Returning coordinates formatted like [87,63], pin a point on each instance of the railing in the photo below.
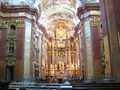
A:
[57,86]
[18,86]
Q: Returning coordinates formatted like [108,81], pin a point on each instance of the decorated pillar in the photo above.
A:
[110,13]
[90,17]
[27,49]
[17,52]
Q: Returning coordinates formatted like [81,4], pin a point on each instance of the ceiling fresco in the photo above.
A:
[58,13]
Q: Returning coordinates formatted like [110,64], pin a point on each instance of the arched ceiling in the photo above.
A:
[19,2]
[57,13]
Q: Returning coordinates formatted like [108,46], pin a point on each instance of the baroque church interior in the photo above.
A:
[60,39]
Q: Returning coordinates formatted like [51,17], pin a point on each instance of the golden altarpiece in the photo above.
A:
[61,60]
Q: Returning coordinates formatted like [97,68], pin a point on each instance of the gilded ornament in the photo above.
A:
[95,21]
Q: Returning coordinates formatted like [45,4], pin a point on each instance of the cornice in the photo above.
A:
[17,9]
[88,7]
